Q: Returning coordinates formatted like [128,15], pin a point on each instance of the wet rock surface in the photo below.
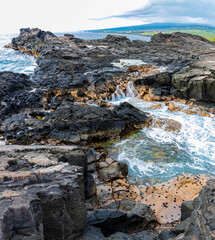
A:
[44,188]
[66,62]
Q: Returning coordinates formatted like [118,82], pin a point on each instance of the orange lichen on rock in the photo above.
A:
[165,199]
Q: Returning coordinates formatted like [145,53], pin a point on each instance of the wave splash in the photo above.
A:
[11,60]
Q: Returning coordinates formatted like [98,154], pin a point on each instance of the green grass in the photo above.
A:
[208,35]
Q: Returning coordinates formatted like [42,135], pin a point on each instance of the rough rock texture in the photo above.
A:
[124,216]
[164,199]
[74,124]
[202,221]
[197,83]
[16,94]
[66,62]
[41,196]
[31,38]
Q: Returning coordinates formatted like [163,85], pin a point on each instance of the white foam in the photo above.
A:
[192,150]
[128,62]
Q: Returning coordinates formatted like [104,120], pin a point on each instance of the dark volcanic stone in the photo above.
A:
[138,216]
[186,209]
[43,198]
[202,220]
[144,235]
[74,123]
[165,235]
[15,94]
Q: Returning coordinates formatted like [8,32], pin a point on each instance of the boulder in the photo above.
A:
[181,227]
[125,216]
[116,170]
[196,83]
[186,210]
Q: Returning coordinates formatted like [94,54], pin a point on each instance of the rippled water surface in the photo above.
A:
[157,154]
[11,60]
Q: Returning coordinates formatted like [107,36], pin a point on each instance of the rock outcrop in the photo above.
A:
[201,222]
[42,195]
[72,123]
[124,216]
[16,94]
[43,188]
[197,83]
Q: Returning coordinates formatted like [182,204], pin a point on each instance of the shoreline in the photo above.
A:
[68,107]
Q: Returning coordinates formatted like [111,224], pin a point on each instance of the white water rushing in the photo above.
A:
[160,155]
[11,60]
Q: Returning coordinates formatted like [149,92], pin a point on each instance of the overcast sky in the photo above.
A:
[72,15]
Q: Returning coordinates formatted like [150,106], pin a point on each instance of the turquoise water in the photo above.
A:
[154,153]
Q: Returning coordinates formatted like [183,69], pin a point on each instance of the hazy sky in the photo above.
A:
[70,15]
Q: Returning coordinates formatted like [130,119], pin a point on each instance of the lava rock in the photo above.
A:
[186,210]
[42,198]
[137,216]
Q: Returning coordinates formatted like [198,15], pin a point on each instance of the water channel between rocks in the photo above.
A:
[155,155]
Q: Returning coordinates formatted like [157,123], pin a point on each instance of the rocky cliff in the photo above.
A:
[42,193]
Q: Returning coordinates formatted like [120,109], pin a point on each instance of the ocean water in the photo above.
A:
[14,61]
[160,155]
[98,35]
[152,153]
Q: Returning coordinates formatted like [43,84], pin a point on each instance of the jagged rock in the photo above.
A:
[165,235]
[159,79]
[186,210]
[74,124]
[90,189]
[31,37]
[125,216]
[181,227]
[115,170]
[41,197]
[144,235]
[15,94]
[201,225]
[196,83]
[180,38]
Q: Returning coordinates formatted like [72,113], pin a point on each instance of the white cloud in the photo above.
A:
[64,15]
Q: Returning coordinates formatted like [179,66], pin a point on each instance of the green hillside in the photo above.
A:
[205,31]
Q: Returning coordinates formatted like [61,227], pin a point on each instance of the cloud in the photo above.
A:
[187,11]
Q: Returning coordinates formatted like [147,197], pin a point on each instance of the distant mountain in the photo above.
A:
[158,26]
[204,30]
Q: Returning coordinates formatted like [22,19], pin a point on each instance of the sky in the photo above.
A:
[73,15]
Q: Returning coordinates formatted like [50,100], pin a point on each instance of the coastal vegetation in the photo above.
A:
[205,31]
